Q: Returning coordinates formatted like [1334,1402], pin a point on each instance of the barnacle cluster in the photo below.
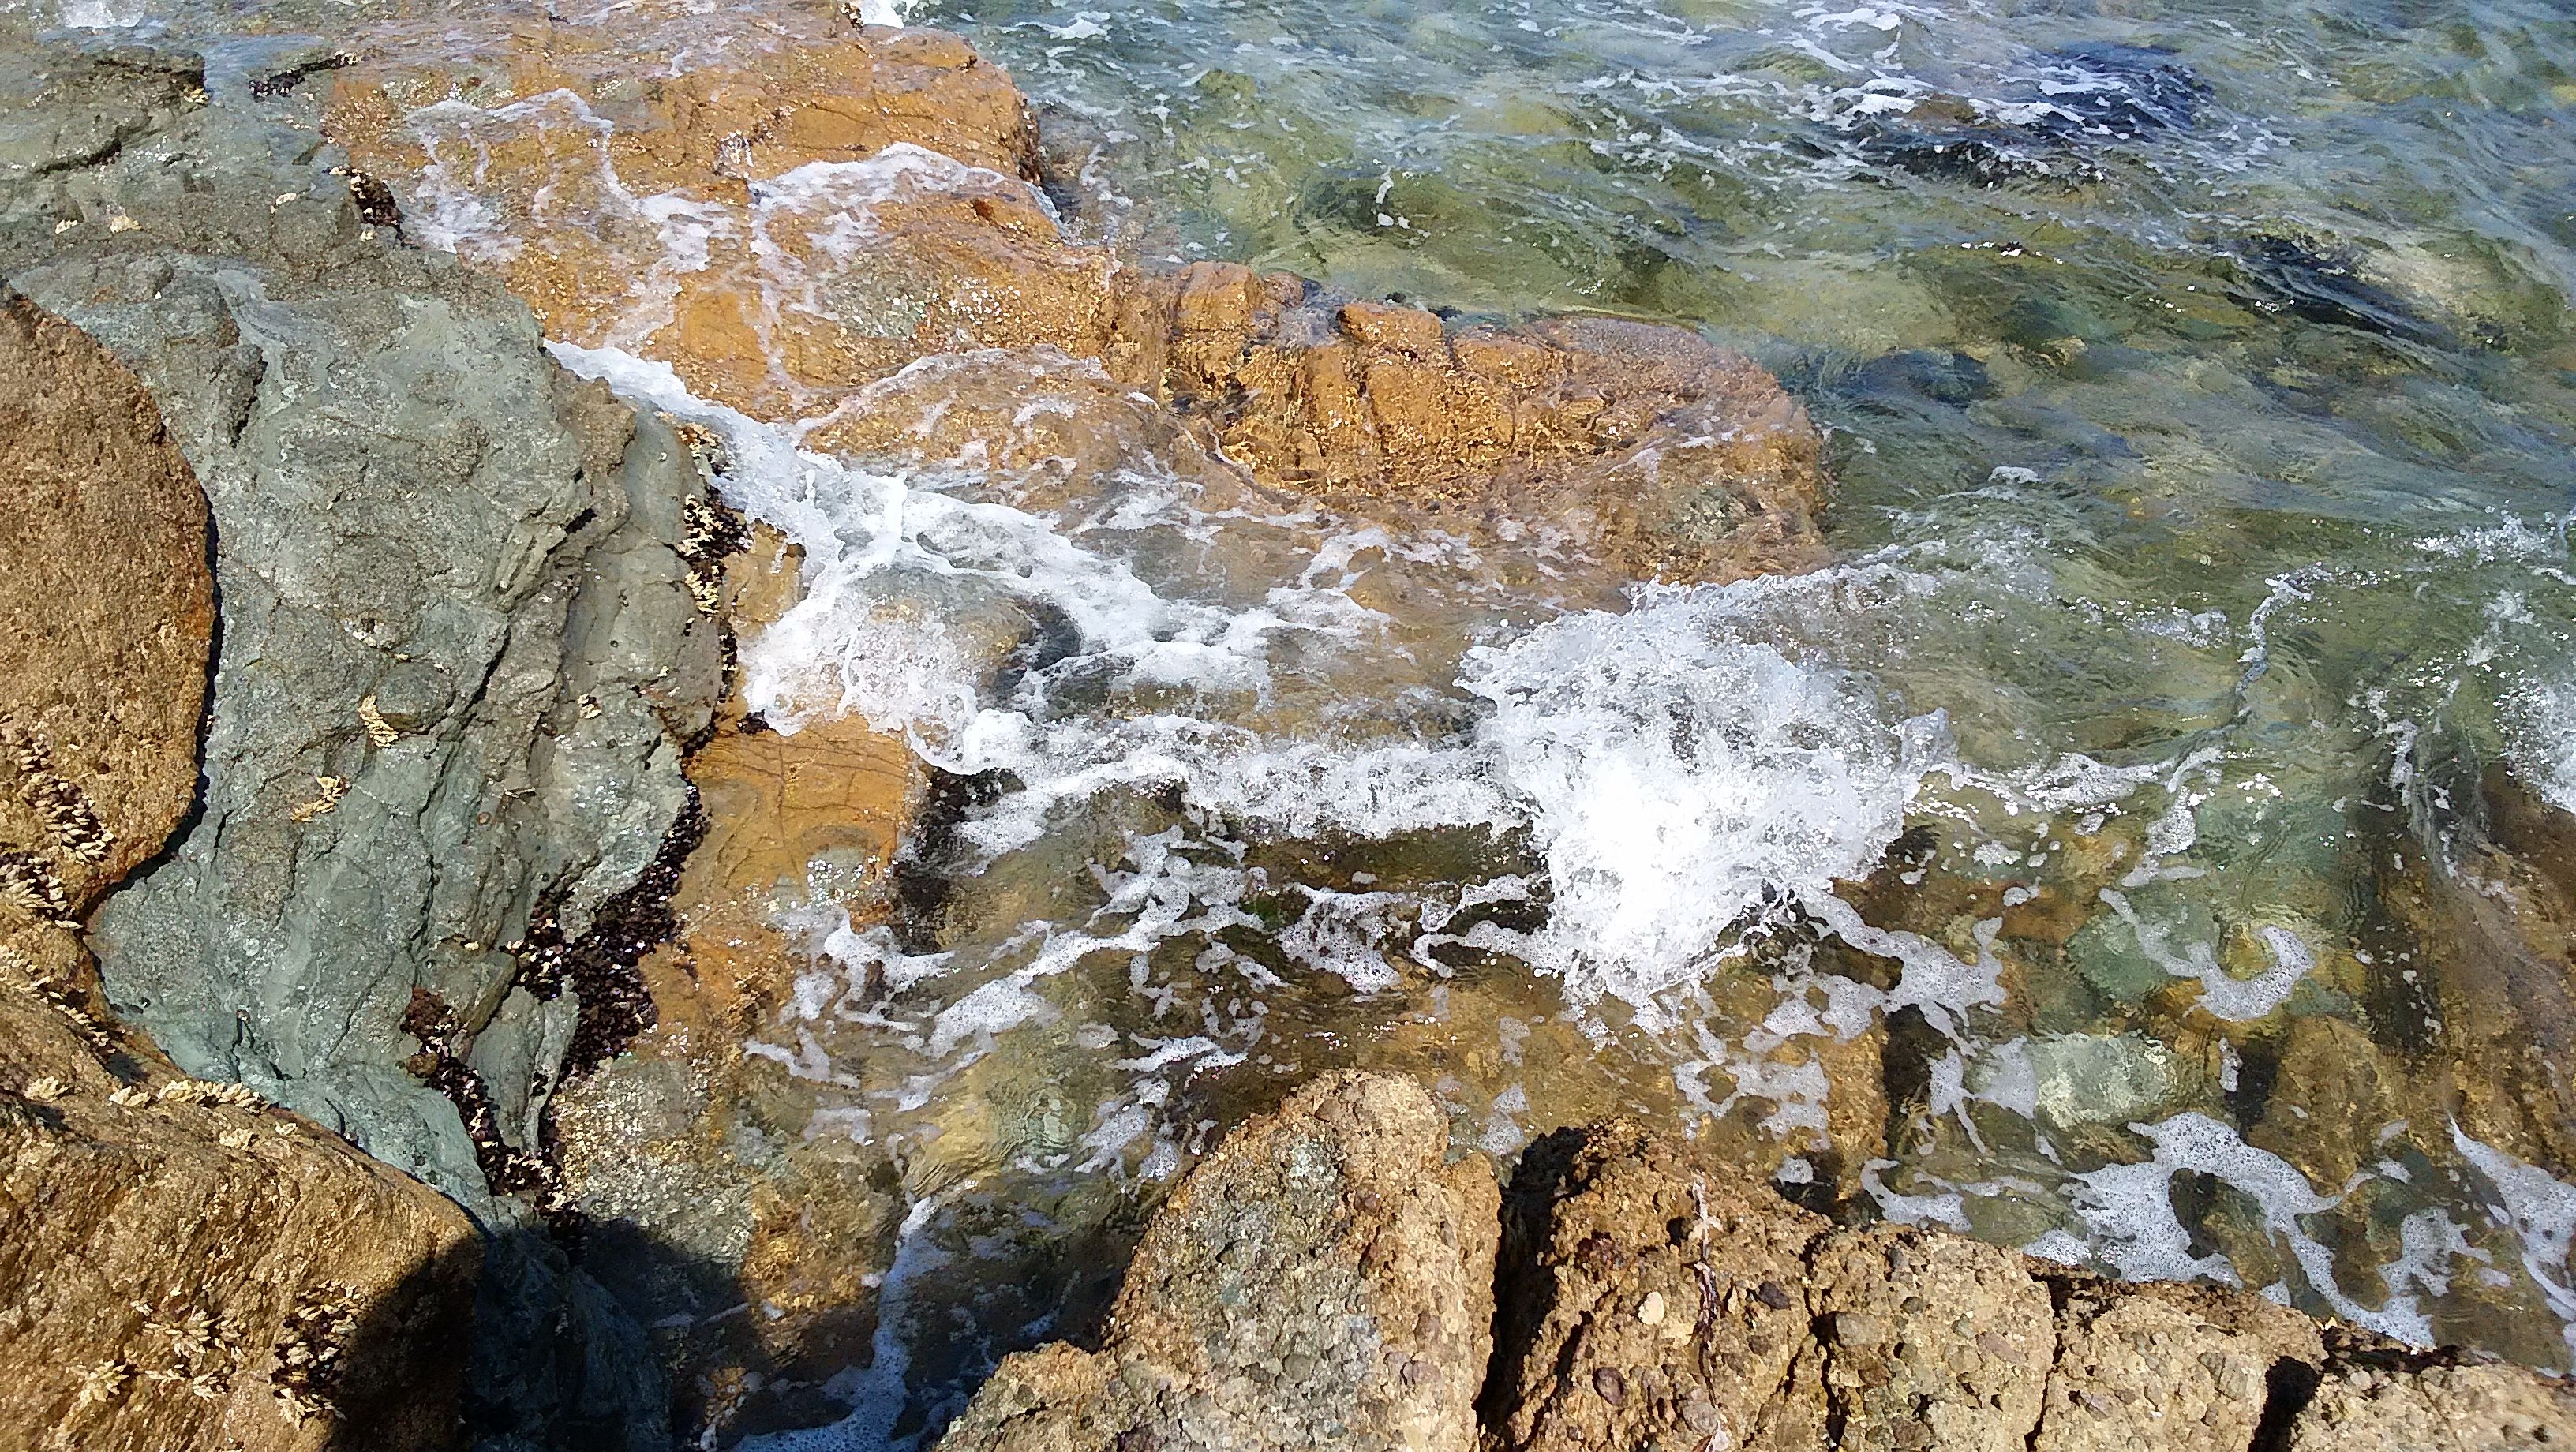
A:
[208,1092]
[59,803]
[28,884]
[507,1168]
[46,1090]
[379,730]
[203,1353]
[709,533]
[310,1349]
[327,792]
[102,1382]
[14,964]
[204,1350]
[374,199]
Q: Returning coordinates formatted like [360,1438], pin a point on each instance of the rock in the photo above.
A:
[1663,454]
[1929,1333]
[1601,1224]
[2153,1365]
[712,1178]
[458,655]
[2439,1408]
[105,629]
[1323,1278]
[181,1265]
[196,1274]
[1653,1295]
[456,636]
[824,260]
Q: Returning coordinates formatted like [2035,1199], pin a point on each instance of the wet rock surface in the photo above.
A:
[1322,1280]
[898,173]
[181,1264]
[726,1206]
[1649,1294]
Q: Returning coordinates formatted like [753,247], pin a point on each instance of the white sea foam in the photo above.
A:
[2129,1209]
[103,14]
[2540,1210]
[2541,717]
[1680,777]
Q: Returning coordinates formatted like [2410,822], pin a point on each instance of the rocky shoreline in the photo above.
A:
[383,784]
[1328,1279]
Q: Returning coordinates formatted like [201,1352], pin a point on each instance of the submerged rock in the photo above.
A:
[2299,276]
[714,1180]
[1322,1280]
[181,1265]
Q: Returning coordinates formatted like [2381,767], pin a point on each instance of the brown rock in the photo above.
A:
[201,1275]
[1930,1332]
[1629,1253]
[2436,1409]
[1324,1277]
[1655,1295]
[2165,1366]
[105,627]
[181,1266]
[1664,454]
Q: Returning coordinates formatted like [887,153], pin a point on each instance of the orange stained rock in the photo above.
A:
[789,228]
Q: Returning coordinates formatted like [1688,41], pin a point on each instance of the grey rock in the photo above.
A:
[456,655]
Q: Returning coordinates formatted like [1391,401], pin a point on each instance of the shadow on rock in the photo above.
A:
[378,1366]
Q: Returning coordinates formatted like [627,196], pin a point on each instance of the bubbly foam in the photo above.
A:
[1681,778]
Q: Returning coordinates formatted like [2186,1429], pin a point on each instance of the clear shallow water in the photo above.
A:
[2200,395]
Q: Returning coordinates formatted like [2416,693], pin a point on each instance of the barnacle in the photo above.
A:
[709,532]
[46,1090]
[132,1096]
[26,749]
[206,1091]
[190,1336]
[67,814]
[19,965]
[30,887]
[379,730]
[328,792]
[308,1349]
[104,1382]
[236,1139]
